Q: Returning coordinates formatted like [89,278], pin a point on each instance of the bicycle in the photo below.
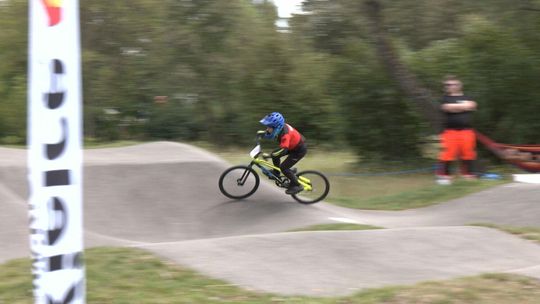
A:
[239,182]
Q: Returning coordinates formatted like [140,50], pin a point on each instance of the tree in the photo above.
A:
[13,83]
[376,118]
[399,72]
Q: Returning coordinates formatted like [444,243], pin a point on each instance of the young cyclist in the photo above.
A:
[291,143]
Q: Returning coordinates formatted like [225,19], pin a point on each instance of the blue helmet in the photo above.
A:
[274,120]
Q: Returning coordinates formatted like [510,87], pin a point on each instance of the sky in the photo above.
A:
[287,7]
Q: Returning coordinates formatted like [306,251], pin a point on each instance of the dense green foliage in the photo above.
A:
[223,65]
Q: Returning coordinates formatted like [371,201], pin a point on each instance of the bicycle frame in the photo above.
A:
[241,181]
[267,168]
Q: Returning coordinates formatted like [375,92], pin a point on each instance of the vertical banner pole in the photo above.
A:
[55,151]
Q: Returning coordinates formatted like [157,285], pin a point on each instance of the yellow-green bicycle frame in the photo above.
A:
[267,168]
[241,181]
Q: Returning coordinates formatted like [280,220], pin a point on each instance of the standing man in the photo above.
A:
[458,140]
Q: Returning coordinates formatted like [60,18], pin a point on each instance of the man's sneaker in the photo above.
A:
[294,189]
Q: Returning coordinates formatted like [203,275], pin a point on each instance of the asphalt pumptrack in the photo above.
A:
[163,197]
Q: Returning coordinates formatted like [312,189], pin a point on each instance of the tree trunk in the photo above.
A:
[407,81]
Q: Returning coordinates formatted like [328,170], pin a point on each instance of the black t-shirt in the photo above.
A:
[457,121]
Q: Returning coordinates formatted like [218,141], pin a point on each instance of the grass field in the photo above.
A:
[121,275]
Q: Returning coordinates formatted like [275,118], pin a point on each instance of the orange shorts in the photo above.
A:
[458,144]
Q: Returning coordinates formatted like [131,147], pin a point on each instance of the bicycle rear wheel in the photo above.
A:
[320,186]
[238,182]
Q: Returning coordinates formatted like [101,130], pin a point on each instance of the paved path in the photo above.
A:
[163,197]
[514,204]
[337,263]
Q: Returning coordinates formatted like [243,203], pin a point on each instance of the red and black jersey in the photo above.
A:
[289,139]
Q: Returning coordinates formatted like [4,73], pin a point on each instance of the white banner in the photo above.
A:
[55,151]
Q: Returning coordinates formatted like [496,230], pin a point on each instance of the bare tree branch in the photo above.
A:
[407,81]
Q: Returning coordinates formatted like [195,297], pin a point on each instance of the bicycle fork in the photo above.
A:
[242,180]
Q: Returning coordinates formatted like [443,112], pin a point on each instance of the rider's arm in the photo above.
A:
[279,152]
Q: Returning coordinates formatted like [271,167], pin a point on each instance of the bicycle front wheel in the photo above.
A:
[238,182]
[320,186]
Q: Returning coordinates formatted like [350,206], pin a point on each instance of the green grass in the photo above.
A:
[394,194]
[122,275]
